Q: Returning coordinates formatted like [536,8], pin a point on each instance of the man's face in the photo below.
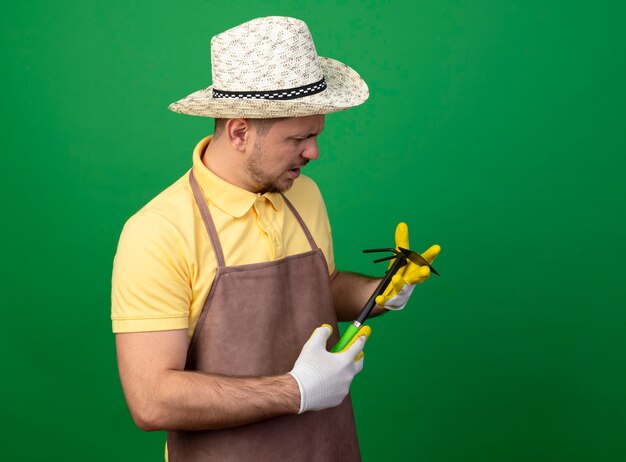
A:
[278,155]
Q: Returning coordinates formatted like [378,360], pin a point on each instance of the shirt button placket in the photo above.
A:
[258,206]
[265,225]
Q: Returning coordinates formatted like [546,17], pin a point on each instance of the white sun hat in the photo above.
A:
[267,68]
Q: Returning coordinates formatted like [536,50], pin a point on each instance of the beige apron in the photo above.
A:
[254,322]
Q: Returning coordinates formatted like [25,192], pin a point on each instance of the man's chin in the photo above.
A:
[277,188]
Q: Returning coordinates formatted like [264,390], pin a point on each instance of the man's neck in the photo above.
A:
[224,163]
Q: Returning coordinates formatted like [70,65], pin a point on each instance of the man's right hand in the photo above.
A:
[323,377]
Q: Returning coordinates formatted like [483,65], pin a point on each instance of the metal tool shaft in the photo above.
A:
[371,303]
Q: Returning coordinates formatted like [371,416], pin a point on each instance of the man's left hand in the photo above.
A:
[399,290]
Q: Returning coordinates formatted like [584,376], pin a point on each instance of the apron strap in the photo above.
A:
[208,221]
[303,225]
[210,226]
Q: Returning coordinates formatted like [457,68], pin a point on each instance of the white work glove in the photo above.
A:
[323,377]
[398,301]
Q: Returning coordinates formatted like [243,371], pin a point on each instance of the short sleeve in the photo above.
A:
[151,289]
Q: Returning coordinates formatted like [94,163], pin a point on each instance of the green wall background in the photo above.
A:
[494,128]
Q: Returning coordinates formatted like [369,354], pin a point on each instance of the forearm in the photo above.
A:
[161,395]
[187,400]
[350,292]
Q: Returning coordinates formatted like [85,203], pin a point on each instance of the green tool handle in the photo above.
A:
[345,338]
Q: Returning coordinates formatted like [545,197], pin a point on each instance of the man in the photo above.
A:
[221,283]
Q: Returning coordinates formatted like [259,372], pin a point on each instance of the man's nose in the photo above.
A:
[311,150]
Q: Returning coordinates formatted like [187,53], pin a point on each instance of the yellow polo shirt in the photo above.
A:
[165,265]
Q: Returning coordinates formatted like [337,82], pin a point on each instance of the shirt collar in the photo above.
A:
[231,199]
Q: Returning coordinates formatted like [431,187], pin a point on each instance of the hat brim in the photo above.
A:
[345,89]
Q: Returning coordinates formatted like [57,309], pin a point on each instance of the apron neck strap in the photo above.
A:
[210,226]
[206,217]
[303,225]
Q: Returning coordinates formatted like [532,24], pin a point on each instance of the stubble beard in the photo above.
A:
[256,173]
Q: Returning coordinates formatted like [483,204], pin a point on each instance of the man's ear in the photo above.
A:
[238,133]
